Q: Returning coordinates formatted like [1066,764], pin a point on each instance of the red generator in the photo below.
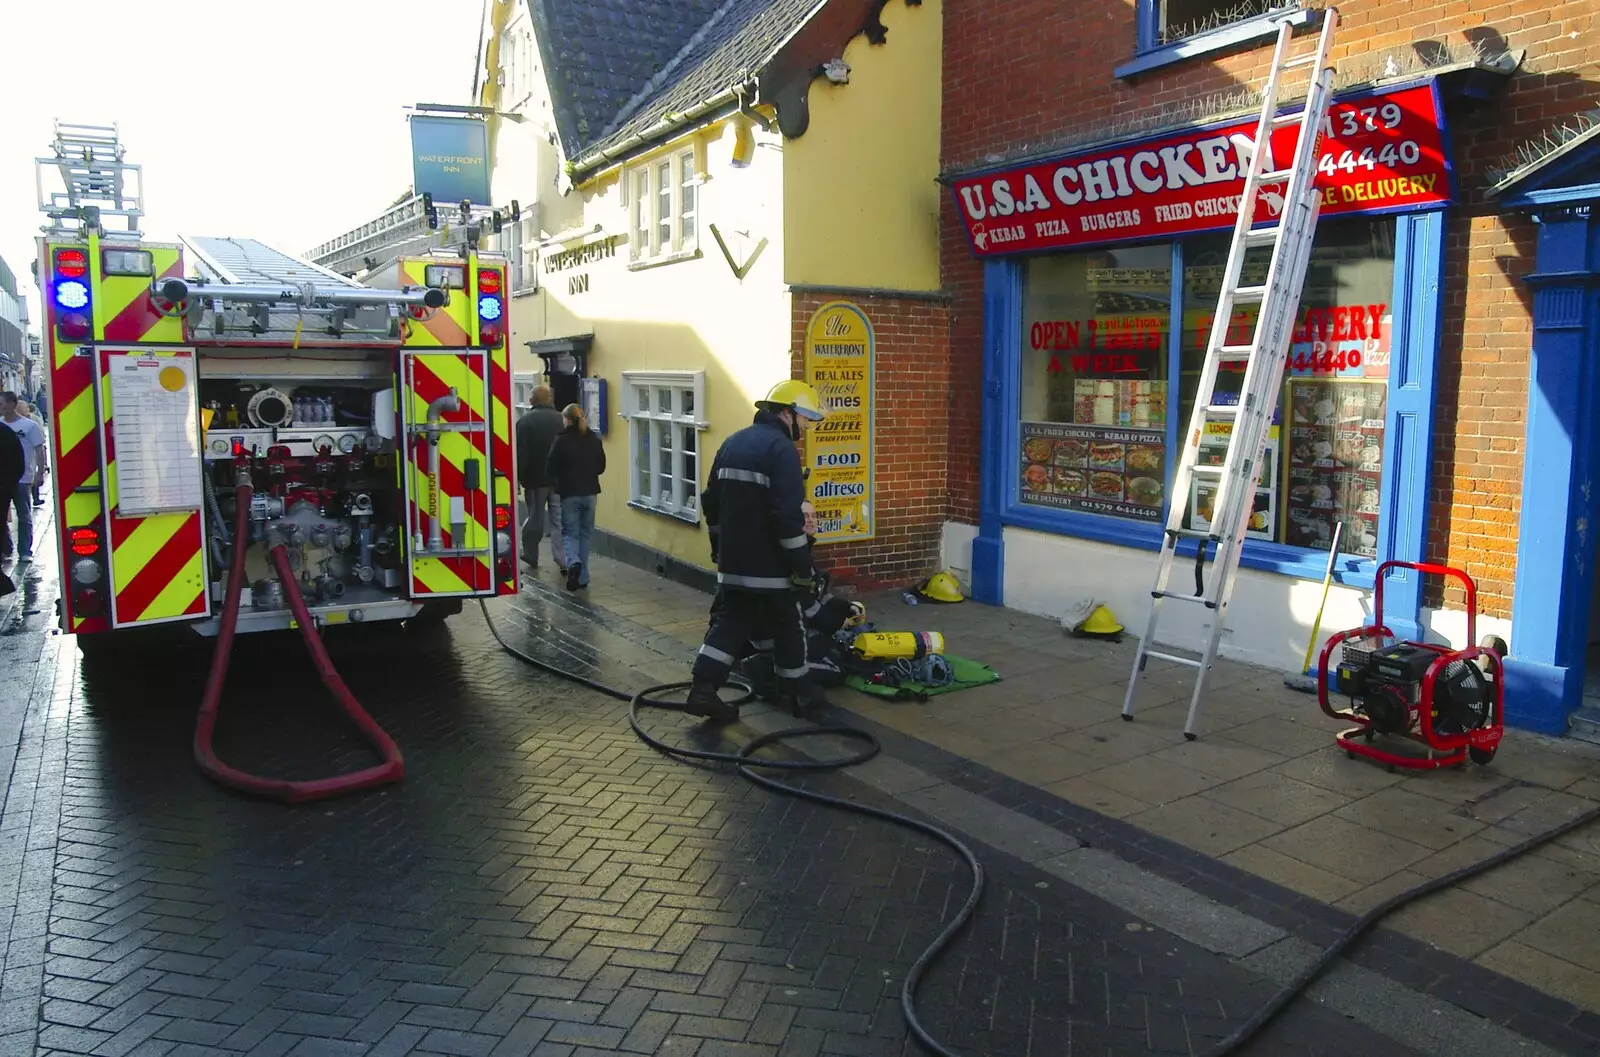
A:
[1449,702]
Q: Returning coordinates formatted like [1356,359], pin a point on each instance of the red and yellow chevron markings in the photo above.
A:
[157,561]
[74,441]
[123,302]
[500,400]
[445,328]
[431,376]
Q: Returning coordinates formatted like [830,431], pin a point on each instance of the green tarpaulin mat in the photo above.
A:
[968,674]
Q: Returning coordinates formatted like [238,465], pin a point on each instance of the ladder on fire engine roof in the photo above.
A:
[1264,355]
[235,271]
[95,182]
[229,260]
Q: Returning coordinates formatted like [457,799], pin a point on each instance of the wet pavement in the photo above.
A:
[541,883]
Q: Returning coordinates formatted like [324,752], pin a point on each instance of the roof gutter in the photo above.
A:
[728,98]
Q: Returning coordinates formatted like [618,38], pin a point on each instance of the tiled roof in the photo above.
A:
[616,66]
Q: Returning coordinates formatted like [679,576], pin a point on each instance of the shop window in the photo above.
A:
[664,424]
[1094,381]
[1105,392]
[1323,464]
[664,205]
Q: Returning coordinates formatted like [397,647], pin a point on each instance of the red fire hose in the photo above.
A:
[392,769]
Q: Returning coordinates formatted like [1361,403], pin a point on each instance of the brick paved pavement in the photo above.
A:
[541,883]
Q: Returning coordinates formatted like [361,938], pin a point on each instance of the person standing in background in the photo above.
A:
[12,461]
[21,499]
[577,459]
[537,430]
[32,411]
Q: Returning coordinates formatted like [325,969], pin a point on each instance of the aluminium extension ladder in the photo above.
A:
[1264,357]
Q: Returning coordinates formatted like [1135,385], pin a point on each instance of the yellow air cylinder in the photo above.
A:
[893,645]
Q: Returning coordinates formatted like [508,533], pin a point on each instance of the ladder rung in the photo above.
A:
[1208,471]
[1192,534]
[1301,60]
[1262,236]
[1174,658]
[1276,176]
[1226,410]
[1249,294]
[1235,352]
[1289,119]
[1177,597]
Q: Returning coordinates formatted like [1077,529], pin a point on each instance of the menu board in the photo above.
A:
[1335,463]
[1095,469]
[1203,493]
[156,430]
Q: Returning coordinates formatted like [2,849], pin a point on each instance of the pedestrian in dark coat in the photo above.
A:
[577,459]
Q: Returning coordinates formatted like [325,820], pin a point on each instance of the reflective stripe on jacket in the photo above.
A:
[752,508]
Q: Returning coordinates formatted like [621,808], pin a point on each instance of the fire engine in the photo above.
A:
[358,432]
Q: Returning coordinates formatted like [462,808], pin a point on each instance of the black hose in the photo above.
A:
[1304,977]
[744,760]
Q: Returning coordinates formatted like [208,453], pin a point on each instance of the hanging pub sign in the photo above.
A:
[1380,152]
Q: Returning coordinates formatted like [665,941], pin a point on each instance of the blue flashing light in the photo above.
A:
[72,294]
[488,308]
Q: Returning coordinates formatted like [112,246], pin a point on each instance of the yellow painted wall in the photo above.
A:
[861,207]
[691,314]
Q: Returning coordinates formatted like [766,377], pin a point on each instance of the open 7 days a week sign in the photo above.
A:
[1380,152]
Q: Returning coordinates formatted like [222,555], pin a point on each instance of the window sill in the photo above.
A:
[665,259]
[1350,570]
[1211,42]
[524,292]
[686,519]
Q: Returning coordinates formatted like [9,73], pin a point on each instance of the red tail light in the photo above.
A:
[502,516]
[85,541]
[72,264]
[489,281]
[490,335]
[504,567]
[73,328]
[88,603]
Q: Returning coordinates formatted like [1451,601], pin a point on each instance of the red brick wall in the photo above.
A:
[1008,89]
[912,407]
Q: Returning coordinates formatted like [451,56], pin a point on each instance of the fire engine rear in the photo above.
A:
[368,427]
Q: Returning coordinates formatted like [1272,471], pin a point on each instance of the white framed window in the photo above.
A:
[664,410]
[664,207]
[520,244]
[516,63]
[523,383]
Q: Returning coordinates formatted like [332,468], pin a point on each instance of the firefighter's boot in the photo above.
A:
[803,695]
[705,701]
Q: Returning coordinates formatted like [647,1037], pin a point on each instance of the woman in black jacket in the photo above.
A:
[577,459]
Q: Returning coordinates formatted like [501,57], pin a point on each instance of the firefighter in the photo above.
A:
[752,505]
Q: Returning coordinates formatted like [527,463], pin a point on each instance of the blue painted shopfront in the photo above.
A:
[1556,551]
[1419,246]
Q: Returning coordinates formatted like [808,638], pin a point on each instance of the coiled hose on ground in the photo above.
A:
[392,769]
[746,763]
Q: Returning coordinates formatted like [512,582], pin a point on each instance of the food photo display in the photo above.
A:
[1094,469]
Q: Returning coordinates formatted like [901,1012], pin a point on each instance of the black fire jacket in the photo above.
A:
[752,508]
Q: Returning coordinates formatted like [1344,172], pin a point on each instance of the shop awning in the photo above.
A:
[1561,168]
